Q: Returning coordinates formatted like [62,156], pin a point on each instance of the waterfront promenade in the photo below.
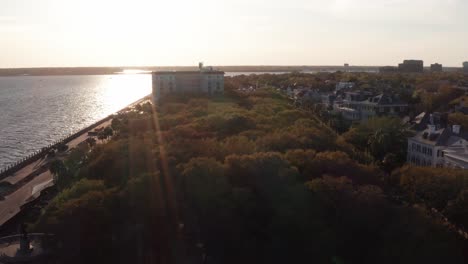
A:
[30,180]
[12,203]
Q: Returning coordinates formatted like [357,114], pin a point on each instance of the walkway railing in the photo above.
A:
[40,154]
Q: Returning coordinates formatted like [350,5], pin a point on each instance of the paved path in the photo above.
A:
[13,202]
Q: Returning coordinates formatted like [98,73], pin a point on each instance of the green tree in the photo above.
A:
[91,141]
[60,172]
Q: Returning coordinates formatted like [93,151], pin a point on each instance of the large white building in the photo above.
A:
[443,147]
[205,80]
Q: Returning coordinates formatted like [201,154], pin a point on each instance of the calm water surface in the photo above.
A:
[37,111]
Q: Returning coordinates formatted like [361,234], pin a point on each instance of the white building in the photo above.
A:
[205,80]
[344,85]
[436,147]
[364,109]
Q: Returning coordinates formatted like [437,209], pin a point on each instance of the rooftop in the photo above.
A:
[440,137]
[413,62]
[386,99]
[458,153]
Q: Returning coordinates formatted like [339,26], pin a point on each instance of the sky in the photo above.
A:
[66,33]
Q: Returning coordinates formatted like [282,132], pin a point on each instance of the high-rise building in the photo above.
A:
[411,66]
[436,67]
[465,66]
[205,80]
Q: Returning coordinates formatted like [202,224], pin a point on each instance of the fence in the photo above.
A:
[39,154]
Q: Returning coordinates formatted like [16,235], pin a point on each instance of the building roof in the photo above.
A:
[440,137]
[436,138]
[413,62]
[420,122]
[458,153]
[419,118]
[386,99]
[347,109]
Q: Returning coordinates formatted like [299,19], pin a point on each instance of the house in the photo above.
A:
[429,147]
[367,106]
[344,85]
[205,80]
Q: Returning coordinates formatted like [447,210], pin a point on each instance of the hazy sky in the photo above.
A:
[37,33]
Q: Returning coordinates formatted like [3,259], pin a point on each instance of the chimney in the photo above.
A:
[432,129]
[456,129]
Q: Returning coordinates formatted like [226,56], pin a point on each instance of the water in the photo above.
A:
[37,111]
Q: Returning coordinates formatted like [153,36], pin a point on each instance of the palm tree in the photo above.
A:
[91,142]
[58,169]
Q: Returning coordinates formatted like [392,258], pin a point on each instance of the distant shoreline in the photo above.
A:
[120,70]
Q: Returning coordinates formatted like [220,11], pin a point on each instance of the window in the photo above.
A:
[429,152]
[418,148]
[413,146]
[424,150]
[218,86]
[170,86]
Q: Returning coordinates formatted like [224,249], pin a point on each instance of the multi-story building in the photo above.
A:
[465,66]
[205,80]
[411,66]
[430,146]
[436,67]
[362,106]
